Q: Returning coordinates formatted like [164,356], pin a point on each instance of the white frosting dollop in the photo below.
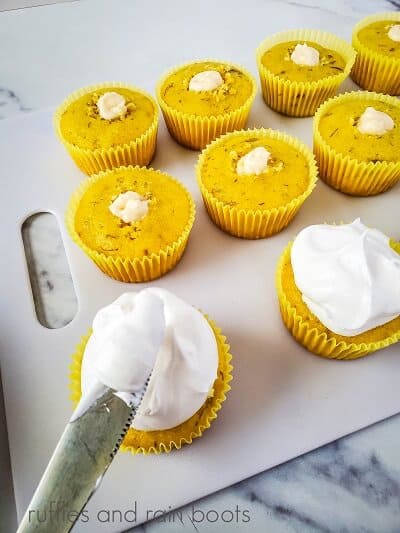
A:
[348,275]
[130,207]
[254,162]
[122,349]
[111,105]
[394,33]
[305,55]
[374,122]
[208,80]
[130,336]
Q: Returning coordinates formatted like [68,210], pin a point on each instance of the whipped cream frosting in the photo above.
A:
[348,275]
[394,33]
[208,80]
[153,329]
[254,162]
[374,122]
[305,55]
[111,105]
[130,207]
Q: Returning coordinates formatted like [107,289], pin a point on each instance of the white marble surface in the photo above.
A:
[352,485]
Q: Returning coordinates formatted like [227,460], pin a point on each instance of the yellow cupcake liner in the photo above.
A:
[139,151]
[318,341]
[147,442]
[374,71]
[138,269]
[301,98]
[255,223]
[357,178]
[195,131]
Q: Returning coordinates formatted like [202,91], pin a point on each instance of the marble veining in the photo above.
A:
[10,104]
[349,486]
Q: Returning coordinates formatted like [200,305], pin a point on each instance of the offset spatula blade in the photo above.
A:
[82,456]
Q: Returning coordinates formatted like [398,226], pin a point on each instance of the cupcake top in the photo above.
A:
[132,212]
[106,117]
[302,61]
[349,276]
[206,88]
[365,128]
[381,36]
[152,331]
[256,169]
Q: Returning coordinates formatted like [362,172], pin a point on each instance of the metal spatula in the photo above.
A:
[82,456]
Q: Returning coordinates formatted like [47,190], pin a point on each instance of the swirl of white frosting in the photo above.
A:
[208,80]
[394,33]
[305,55]
[349,276]
[130,207]
[111,105]
[254,162]
[374,122]
[146,328]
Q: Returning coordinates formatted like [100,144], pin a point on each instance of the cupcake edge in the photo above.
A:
[256,223]
[139,151]
[279,93]
[138,269]
[357,178]
[315,341]
[192,428]
[370,65]
[195,131]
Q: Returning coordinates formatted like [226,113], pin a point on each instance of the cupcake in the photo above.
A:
[108,125]
[377,41]
[339,290]
[133,222]
[254,181]
[185,353]
[299,69]
[204,99]
[355,140]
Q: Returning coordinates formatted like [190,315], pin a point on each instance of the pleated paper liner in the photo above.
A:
[138,269]
[316,338]
[146,442]
[255,223]
[301,98]
[358,178]
[372,70]
[139,151]
[195,131]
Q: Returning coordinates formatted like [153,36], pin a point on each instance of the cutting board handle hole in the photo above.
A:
[52,287]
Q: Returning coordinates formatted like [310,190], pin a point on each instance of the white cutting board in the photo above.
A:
[284,400]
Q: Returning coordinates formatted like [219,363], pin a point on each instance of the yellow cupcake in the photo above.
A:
[296,89]
[352,162]
[138,441]
[255,203]
[309,331]
[377,65]
[130,248]
[204,99]
[108,125]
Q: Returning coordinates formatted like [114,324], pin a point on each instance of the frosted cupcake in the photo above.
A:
[355,140]
[299,69]
[339,290]
[377,41]
[186,352]
[253,182]
[108,125]
[133,222]
[204,99]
